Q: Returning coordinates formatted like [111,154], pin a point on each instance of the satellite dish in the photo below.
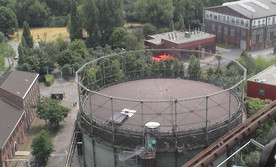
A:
[152,125]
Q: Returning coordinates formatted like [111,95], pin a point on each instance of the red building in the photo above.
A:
[195,40]
[263,85]
[18,91]
[247,24]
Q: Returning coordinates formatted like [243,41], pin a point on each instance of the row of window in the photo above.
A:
[225,30]
[227,19]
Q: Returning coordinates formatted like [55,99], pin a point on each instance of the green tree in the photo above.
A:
[2,63]
[74,25]
[27,35]
[3,38]
[194,68]
[253,106]
[51,111]
[7,51]
[8,21]
[180,24]
[62,44]
[68,57]
[248,62]
[252,160]
[149,29]
[157,12]
[172,25]
[132,43]
[78,46]
[90,14]
[118,38]
[261,63]
[42,147]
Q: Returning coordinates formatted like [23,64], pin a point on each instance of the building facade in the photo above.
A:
[195,40]
[247,24]
[263,84]
[18,91]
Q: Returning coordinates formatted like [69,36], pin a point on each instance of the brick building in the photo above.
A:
[263,84]
[195,40]
[18,90]
[247,24]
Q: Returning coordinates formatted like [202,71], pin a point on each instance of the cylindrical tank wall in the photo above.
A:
[100,155]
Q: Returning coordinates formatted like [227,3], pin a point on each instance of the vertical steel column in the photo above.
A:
[206,126]
[113,132]
[103,72]
[175,130]
[229,119]
[112,112]
[142,125]
[91,117]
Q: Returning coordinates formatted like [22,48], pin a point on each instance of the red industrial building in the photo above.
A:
[247,24]
[263,85]
[18,91]
[195,40]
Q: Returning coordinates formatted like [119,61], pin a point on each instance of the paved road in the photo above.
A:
[65,131]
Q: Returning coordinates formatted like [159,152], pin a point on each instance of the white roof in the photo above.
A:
[152,125]
[267,76]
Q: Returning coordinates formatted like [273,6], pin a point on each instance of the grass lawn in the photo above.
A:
[44,33]
[34,130]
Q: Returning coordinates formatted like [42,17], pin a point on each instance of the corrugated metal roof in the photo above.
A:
[253,8]
[17,82]
[9,117]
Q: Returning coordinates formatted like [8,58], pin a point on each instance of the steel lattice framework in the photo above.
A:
[176,133]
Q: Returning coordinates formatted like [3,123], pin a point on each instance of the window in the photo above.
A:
[243,33]
[261,32]
[261,92]
[219,17]
[225,30]
[219,29]
[242,22]
[233,21]
[224,18]
[268,34]
[254,37]
[232,32]
[237,21]
[213,27]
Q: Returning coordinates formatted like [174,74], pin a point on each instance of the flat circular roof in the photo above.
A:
[166,108]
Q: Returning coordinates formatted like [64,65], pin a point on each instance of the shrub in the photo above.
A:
[49,79]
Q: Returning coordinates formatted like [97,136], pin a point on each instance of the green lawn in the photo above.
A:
[224,46]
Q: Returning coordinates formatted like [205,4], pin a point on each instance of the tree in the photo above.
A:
[248,62]
[27,35]
[180,24]
[68,57]
[194,68]
[149,29]
[74,25]
[132,43]
[8,21]
[7,51]
[3,38]
[79,48]
[274,50]
[62,44]
[42,147]
[90,14]
[253,106]
[118,38]
[172,25]
[50,110]
[2,63]
[261,63]
[157,12]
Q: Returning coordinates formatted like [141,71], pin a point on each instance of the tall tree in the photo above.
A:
[74,25]
[118,38]
[90,15]
[7,51]
[50,110]
[172,25]
[42,147]
[8,21]
[157,12]
[27,35]
[181,25]
[194,68]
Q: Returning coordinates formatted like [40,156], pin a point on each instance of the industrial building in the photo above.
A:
[246,24]
[194,40]
[263,84]
[18,91]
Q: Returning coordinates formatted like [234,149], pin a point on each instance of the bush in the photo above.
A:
[49,79]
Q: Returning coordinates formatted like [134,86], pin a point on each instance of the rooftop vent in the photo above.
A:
[187,34]
[26,80]
[18,93]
